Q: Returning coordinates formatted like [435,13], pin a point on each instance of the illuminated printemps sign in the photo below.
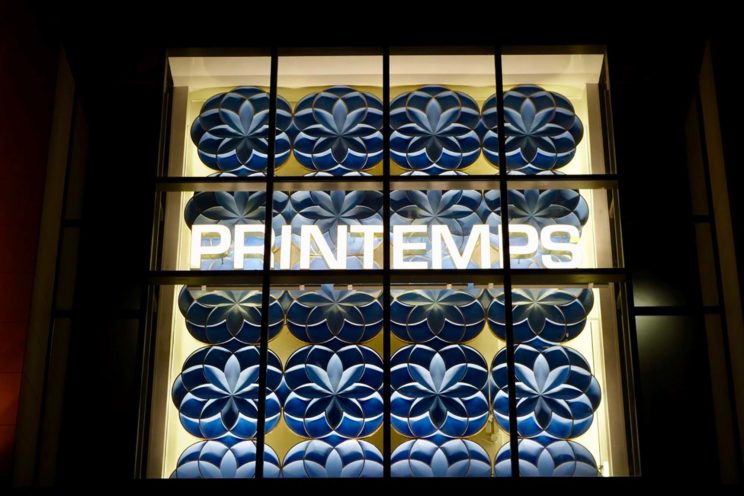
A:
[553,246]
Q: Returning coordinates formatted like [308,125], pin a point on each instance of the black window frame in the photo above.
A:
[386,277]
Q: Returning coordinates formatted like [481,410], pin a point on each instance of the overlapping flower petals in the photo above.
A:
[335,316]
[438,392]
[552,459]
[555,390]
[317,458]
[327,210]
[542,130]
[453,458]
[334,394]
[459,210]
[542,317]
[434,130]
[217,316]
[331,391]
[227,208]
[338,131]
[231,132]
[224,459]
[436,317]
[540,208]
[216,392]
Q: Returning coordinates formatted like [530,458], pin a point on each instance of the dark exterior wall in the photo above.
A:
[726,54]
[27,82]
[119,89]
[720,109]
[652,92]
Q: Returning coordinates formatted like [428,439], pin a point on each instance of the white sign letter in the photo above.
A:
[240,250]
[480,232]
[212,231]
[571,246]
[308,233]
[286,249]
[368,243]
[517,251]
[400,246]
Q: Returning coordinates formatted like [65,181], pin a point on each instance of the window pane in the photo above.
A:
[206,395]
[440,404]
[570,416]
[202,229]
[559,228]
[671,355]
[331,108]
[553,116]
[319,230]
[219,116]
[330,346]
[435,114]
[435,229]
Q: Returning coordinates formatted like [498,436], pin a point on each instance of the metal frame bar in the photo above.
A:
[49,350]
[266,282]
[296,183]
[506,258]
[721,308]
[387,449]
[520,277]
[627,335]
[150,295]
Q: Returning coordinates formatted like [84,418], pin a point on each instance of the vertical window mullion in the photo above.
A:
[266,283]
[505,256]
[386,425]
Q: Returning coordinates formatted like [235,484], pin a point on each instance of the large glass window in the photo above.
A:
[336,290]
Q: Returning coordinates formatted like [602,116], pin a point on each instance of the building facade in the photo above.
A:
[386,326]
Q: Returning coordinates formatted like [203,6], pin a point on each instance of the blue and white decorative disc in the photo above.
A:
[438,392]
[556,391]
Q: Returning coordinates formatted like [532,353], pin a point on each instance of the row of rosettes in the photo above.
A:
[459,210]
[338,131]
[336,317]
[357,458]
[336,395]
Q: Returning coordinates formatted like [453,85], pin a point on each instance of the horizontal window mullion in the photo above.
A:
[549,277]
[400,276]
[589,181]
[300,183]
